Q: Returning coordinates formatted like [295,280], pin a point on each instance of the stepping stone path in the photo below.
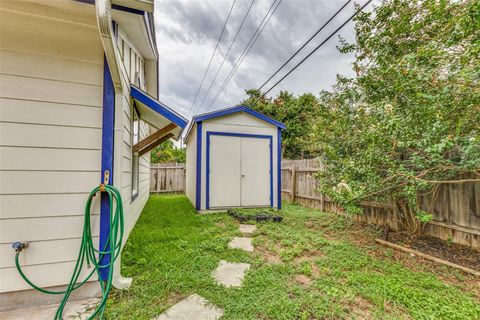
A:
[241,243]
[78,310]
[192,308]
[248,229]
[227,273]
[230,274]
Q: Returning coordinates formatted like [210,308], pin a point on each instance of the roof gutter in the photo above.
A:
[105,26]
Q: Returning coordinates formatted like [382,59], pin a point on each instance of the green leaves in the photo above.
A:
[297,113]
[411,116]
[167,152]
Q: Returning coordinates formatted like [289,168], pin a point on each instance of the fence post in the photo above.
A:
[293,184]
[322,196]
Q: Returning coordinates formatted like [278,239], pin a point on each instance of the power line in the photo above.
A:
[307,42]
[314,50]
[246,50]
[213,54]
[228,51]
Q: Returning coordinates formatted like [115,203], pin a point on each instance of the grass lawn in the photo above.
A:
[313,265]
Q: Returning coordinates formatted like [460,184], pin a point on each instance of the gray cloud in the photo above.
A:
[187,32]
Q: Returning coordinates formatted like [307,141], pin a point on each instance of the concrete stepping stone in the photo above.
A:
[78,310]
[230,274]
[192,308]
[241,243]
[248,228]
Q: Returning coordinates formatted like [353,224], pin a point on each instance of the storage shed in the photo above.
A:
[234,160]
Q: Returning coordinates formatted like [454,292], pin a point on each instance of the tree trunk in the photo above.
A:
[407,217]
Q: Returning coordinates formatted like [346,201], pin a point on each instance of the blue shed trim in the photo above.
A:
[198,189]
[224,112]
[237,109]
[233,134]
[157,106]
[108,124]
[279,169]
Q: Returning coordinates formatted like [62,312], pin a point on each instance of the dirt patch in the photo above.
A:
[308,256]
[462,255]
[174,297]
[220,224]
[302,279]
[269,257]
[360,308]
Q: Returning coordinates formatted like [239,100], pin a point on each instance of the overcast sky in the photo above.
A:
[187,32]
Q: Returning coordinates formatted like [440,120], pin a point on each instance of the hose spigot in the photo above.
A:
[19,246]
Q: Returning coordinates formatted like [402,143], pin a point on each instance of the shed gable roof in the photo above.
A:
[232,110]
[236,109]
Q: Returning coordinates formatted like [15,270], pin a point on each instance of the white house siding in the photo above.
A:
[132,208]
[124,106]
[191,164]
[51,77]
[238,123]
[51,74]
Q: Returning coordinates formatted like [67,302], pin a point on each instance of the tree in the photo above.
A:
[410,119]
[297,113]
[167,152]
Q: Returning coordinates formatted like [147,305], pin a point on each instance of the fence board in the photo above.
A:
[167,177]
[455,207]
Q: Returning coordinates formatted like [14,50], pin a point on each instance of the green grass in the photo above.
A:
[304,268]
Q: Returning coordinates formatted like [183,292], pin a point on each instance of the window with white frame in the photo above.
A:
[132,60]
[135,157]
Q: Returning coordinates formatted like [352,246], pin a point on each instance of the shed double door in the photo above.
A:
[239,171]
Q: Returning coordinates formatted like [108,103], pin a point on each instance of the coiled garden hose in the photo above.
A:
[89,254]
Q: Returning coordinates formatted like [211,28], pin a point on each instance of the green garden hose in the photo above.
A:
[89,254]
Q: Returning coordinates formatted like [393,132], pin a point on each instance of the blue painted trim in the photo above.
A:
[271,171]
[224,112]
[198,190]
[157,106]
[207,172]
[279,169]
[233,134]
[116,7]
[108,123]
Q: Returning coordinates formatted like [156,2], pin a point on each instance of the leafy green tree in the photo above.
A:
[410,119]
[167,152]
[297,113]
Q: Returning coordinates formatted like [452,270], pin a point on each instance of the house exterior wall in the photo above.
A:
[51,77]
[191,162]
[134,69]
[235,123]
[50,137]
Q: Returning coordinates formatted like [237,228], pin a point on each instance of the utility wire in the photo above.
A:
[213,54]
[307,42]
[314,50]
[228,51]
[245,52]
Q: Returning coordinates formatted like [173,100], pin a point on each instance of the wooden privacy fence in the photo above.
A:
[455,207]
[167,177]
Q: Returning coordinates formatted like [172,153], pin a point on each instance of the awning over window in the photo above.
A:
[156,113]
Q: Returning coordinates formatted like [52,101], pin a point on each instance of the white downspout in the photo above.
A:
[105,27]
